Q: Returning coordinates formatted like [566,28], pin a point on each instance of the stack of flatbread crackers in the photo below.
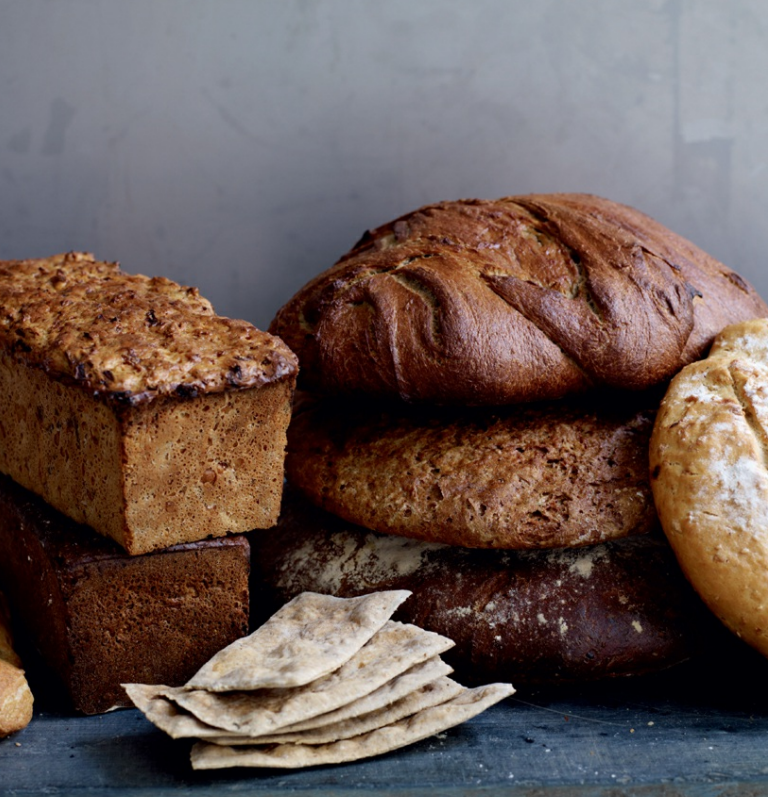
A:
[325,680]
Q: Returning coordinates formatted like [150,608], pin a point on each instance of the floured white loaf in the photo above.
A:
[709,473]
[128,405]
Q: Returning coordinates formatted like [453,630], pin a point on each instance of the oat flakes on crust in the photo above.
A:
[129,337]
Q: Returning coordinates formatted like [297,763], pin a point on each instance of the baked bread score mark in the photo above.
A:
[628,312]
[709,474]
[490,302]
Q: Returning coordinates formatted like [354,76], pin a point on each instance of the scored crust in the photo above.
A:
[543,476]
[709,474]
[489,302]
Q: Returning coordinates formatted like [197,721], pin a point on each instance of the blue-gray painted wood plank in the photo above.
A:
[695,732]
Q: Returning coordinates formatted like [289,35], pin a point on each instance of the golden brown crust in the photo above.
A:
[129,406]
[541,476]
[709,471]
[518,299]
[129,337]
[16,699]
[152,475]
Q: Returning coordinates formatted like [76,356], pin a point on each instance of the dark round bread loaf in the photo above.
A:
[518,299]
[544,617]
[524,476]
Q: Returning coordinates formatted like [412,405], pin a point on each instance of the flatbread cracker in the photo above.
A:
[432,694]
[155,705]
[413,729]
[412,679]
[154,702]
[395,648]
[309,637]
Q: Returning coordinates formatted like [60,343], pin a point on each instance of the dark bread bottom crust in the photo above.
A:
[530,617]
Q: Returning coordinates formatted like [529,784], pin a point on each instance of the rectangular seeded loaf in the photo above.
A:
[128,405]
[100,618]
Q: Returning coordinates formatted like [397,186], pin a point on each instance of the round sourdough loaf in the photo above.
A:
[523,476]
[518,299]
[709,473]
[547,617]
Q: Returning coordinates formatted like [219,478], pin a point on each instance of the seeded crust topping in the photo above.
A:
[129,338]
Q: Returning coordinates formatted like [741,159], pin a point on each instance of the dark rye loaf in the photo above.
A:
[101,618]
[525,476]
[529,617]
[517,299]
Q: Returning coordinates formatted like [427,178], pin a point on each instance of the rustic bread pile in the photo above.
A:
[480,384]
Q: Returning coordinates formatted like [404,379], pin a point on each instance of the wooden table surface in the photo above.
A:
[701,729]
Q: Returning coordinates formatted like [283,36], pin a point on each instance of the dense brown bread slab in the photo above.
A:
[517,299]
[618,608]
[100,617]
[129,406]
[534,476]
[709,459]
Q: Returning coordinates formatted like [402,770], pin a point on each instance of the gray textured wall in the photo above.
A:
[243,145]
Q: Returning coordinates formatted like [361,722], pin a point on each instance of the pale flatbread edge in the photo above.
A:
[383,740]
[429,695]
